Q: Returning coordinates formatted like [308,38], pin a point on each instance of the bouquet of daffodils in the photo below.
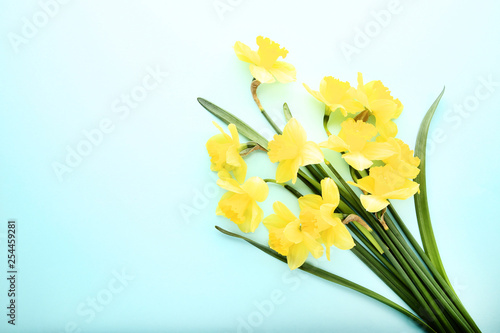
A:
[354,214]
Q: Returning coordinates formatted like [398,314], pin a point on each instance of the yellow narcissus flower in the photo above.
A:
[292,150]
[354,139]
[377,98]
[384,183]
[264,64]
[330,227]
[239,204]
[403,162]
[293,237]
[224,151]
[336,94]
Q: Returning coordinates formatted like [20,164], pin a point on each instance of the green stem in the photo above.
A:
[405,273]
[290,188]
[320,175]
[322,170]
[335,279]
[301,174]
[373,250]
[429,282]
[414,283]
[442,282]
[400,289]
[253,89]
[317,176]
[326,118]
[273,124]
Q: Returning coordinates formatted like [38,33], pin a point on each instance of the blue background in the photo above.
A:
[141,204]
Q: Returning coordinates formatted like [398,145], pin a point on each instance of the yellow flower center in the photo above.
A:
[269,52]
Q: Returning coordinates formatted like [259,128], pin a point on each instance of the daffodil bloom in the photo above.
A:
[224,151]
[293,237]
[239,204]
[264,64]
[377,98]
[292,150]
[330,226]
[337,95]
[384,183]
[403,161]
[354,140]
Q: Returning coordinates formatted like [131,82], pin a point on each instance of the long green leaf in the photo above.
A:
[229,118]
[334,278]
[286,111]
[421,203]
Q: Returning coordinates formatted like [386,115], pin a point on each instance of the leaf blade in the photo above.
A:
[421,202]
[286,111]
[229,118]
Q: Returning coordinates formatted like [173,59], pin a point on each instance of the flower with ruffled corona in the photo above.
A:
[354,141]
[293,237]
[403,162]
[330,226]
[239,204]
[292,150]
[377,98]
[264,64]
[382,184]
[337,95]
[224,151]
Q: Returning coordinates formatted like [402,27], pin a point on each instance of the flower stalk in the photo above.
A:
[253,89]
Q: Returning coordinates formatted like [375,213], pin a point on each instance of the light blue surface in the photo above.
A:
[119,212]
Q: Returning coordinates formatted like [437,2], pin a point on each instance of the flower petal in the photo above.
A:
[313,246]
[261,74]
[269,51]
[240,172]
[287,170]
[409,189]
[292,232]
[222,131]
[378,150]
[360,91]
[278,242]
[327,214]
[383,109]
[218,210]
[274,221]
[244,53]
[330,192]
[295,133]
[256,188]
[357,160]
[281,148]
[310,201]
[311,154]
[335,143]
[297,255]
[233,157]
[387,129]
[283,72]
[373,203]
[342,237]
[229,184]
[316,94]
[283,211]
[234,133]
[253,219]
[367,184]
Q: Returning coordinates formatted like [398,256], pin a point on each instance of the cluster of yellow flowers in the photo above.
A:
[367,141]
